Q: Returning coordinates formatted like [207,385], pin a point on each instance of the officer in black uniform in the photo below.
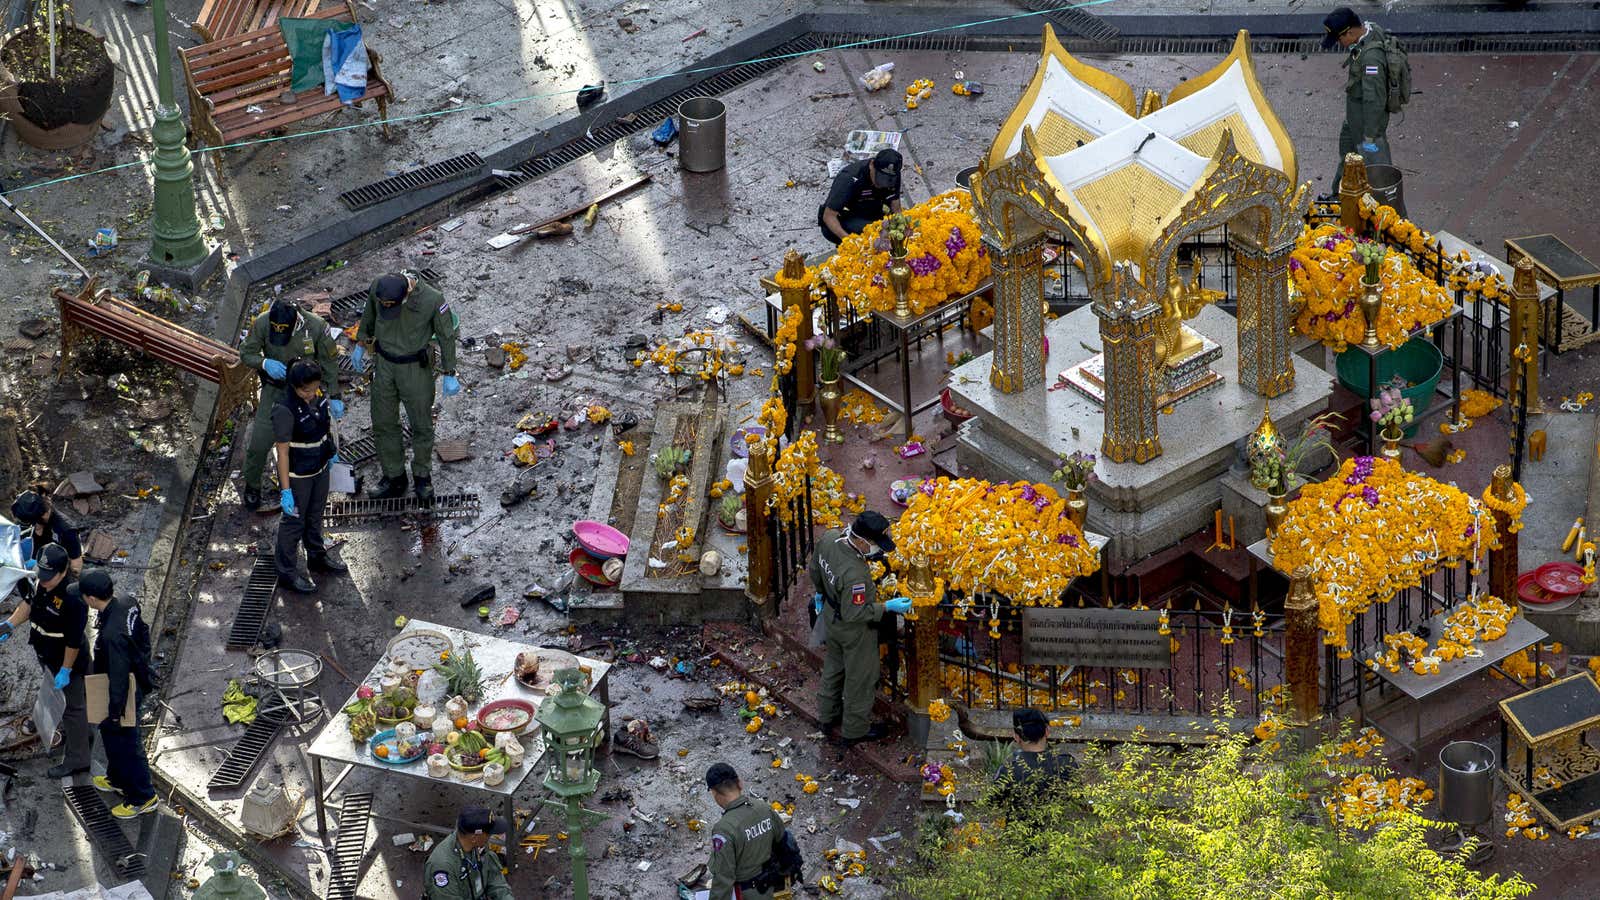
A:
[302,427]
[862,193]
[41,524]
[121,649]
[59,619]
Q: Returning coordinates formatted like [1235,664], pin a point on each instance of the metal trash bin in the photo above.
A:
[1387,185]
[703,133]
[1466,783]
[965,176]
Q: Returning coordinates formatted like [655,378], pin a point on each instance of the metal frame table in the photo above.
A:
[1561,267]
[907,327]
[496,658]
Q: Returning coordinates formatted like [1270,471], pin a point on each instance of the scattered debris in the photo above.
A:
[452,451]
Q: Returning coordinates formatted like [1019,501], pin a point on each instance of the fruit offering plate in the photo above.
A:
[510,715]
[390,754]
[536,667]
[419,648]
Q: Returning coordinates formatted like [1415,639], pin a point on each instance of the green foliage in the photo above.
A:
[1225,820]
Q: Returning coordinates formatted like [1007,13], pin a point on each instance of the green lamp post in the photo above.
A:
[569,721]
[177,251]
[227,883]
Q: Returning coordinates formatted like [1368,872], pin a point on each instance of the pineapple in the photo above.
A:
[462,676]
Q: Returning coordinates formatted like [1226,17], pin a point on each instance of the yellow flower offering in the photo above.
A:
[753,726]
[945,252]
[1327,276]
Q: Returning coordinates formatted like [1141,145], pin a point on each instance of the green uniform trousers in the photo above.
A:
[410,384]
[849,676]
[255,452]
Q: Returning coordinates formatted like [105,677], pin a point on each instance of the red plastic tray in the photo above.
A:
[1563,578]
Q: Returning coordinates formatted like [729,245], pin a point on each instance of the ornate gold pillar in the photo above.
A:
[1302,648]
[1526,327]
[796,292]
[1018,275]
[1503,562]
[1265,363]
[758,539]
[1352,185]
[1134,378]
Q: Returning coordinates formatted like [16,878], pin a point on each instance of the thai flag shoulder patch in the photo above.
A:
[1372,70]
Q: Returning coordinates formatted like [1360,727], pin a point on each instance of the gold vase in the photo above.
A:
[1277,507]
[1391,442]
[900,280]
[1371,305]
[830,398]
[1077,508]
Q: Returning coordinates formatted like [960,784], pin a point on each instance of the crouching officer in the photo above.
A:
[302,426]
[277,337]
[43,525]
[462,867]
[847,601]
[752,856]
[403,313]
[59,618]
[121,649]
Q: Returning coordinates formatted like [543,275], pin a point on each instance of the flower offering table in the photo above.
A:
[904,330]
[1558,265]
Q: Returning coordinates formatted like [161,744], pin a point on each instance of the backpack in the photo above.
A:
[784,867]
[1397,69]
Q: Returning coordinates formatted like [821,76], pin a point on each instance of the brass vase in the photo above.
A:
[900,280]
[1391,442]
[830,398]
[1277,507]
[1077,508]
[1371,305]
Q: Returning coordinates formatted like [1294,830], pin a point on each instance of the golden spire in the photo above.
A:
[1265,437]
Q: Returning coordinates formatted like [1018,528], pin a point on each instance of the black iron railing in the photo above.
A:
[1439,592]
[792,542]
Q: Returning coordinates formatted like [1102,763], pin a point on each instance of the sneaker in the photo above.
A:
[635,740]
[327,564]
[129,811]
[300,584]
[104,784]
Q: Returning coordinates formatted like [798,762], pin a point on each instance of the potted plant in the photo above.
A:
[1393,412]
[1074,473]
[56,79]
[830,362]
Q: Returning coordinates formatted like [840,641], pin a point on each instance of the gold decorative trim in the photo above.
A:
[1241,54]
[1115,89]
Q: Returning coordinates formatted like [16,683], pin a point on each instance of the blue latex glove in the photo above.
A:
[31,564]
[898,605]
[62,677]
[5,631]
[451,386]
[286,502]
[336,407]
[816,604]
[274,368]
[1367,147]
[358,355]
[335,458]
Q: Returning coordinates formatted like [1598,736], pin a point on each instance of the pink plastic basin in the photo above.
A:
[599,539]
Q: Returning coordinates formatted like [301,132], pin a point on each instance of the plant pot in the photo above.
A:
[1277,507]
[1077,508]
[1418,361]
[830,399]
[65,112]
[1391,442]
[1371,303]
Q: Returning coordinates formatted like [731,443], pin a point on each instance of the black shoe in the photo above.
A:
[62,770]
[327,563]
[300,584]
[830,730]
[389,488]
[252,499]
[424,488]
[875,732]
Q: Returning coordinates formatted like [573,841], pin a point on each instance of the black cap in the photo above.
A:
[96,583]
[720,774]
[477,820]
[390,290]
[873,527]
[28,508]
[280,322]
[53,560]
[1338,22]
[1030,724]
[887,166]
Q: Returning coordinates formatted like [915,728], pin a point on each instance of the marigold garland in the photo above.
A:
[1512,508]
[1476,404]
[1372,530]
[1327,276]
[795,464]
[1485,618]
[945,252]
[784,341]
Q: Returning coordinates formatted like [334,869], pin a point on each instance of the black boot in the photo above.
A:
[389,488]
[424,488]
[327,563]
[300,584]
[251,499]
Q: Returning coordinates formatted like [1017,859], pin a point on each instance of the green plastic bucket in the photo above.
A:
[1418,361]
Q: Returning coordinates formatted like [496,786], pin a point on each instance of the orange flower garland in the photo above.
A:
[1512,508]
[1372,530]
[795,463]
[945,253]
[1327,277]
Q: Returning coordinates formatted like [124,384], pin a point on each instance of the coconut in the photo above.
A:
[710,563]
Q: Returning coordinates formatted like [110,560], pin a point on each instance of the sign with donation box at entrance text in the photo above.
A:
[1119,638]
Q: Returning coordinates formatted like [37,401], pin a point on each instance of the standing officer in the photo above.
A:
[277,337]
[848,604]
[302,427]
[1366,90]
[862,193]
[59,619]
[121,649]
[41,525]
[744,842]
[462,867]
[403,314]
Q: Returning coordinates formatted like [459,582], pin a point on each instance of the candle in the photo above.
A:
[1232,541]
[1572,536]
[1219,528]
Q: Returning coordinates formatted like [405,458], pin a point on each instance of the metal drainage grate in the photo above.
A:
[650,116]
[351,304]
[258,590]
[344,863]
[1084,25]
[361,449]
[356,510]
[949,42]
[104,832]
[247,752]
[416,179]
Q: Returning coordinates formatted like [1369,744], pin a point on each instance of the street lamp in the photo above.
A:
[569,721]
[178,254]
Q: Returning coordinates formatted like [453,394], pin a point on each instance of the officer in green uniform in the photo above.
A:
[278,337]
[403,313]
[846,600]
[461,867]
[1366,89]
[742,841]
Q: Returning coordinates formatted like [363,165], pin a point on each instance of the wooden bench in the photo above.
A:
[229,77]
[96,312]
[220,19]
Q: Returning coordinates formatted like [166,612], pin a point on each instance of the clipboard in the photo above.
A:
[341,475]
[97,699]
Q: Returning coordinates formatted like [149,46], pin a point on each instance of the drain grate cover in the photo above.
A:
[1089,27]
[258,591]
[416,179]
[350,305]
[247,752]
[344,874]
[104,832]
[345,512]
[363,448]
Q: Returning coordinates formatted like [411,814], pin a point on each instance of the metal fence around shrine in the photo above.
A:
[1343,676]
[791,534]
